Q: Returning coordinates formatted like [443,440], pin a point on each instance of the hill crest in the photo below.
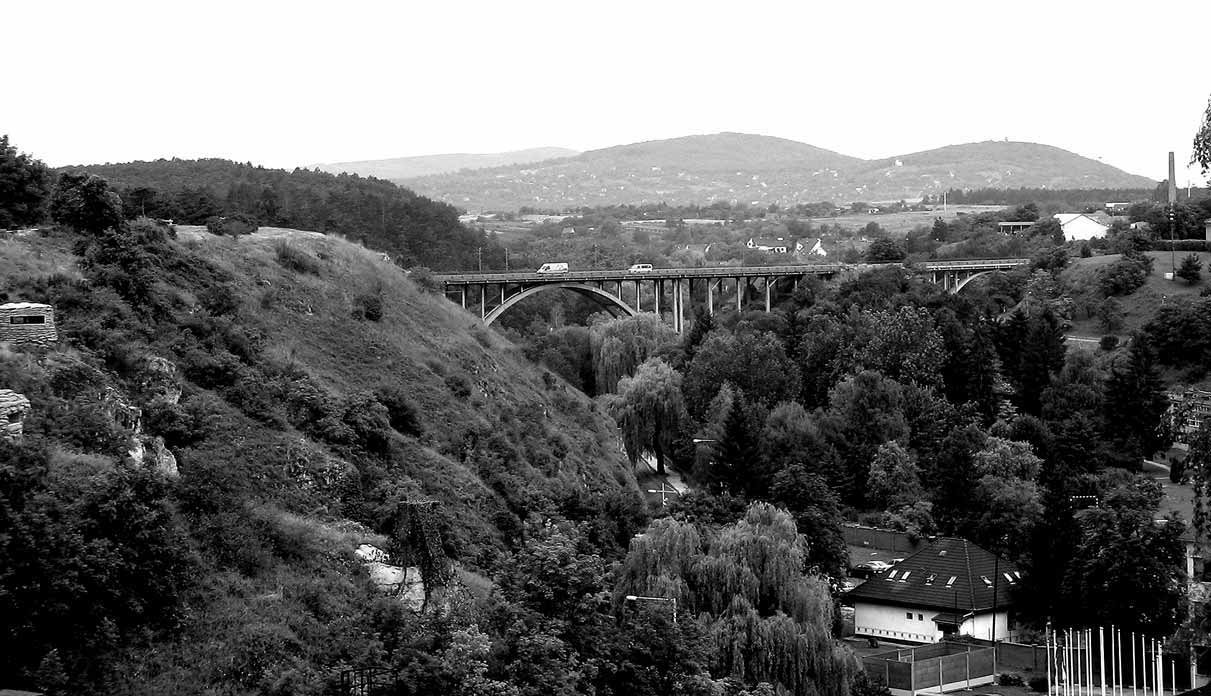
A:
[764,170]
[427,165]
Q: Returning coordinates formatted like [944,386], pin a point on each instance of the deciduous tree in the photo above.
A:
[649,410]
[24,187]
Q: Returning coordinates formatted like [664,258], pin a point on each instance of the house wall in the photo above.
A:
[40,334]
[892,622]
[884,621]
[1083,228]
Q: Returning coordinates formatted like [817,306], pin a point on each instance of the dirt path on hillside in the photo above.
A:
[198,232]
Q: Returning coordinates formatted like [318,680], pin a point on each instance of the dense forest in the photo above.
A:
[412,229]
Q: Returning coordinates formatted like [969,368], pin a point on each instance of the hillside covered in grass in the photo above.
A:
[311,395]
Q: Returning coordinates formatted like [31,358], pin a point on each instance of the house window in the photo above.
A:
[920,617]
[27,319]
[908,615]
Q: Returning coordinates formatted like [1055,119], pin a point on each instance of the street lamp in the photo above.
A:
[640,598]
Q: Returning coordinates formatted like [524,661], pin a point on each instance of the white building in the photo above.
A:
[810,246]
[951,587]
[1079,226]
[777,245]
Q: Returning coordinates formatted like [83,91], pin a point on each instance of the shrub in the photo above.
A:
[424,279]
[459,385]
[234,225]
[1124,276]
[219,300]
[368,307]
[402,412]
[1177,469]
[1108,343]
[1009,679]
[295,259]
[1038,684]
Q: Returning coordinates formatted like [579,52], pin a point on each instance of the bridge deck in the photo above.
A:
[710,272]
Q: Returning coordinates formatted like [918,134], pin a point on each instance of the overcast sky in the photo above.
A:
[296,83]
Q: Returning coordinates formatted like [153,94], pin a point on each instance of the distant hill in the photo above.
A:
[762,170]
[427,165]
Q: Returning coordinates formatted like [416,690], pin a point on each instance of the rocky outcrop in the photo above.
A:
[13,409]
[160,380]
[158,457]
[402,583]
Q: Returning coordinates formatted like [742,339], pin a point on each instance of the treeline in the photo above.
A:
[413,229]
[1074,199]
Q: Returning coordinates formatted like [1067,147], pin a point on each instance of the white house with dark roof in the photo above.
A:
[950,587]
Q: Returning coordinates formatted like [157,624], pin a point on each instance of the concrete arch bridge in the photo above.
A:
[673,291]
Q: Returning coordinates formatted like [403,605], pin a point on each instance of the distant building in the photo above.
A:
[810,246]
[950,587]
[778,245]
[1079,226]
[1014,227]
[704,222]
[28,322]
[649,226]
[1187,411]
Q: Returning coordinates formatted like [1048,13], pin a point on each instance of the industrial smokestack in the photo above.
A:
[1172,181]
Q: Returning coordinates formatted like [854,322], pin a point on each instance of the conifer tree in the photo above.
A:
[1134,403]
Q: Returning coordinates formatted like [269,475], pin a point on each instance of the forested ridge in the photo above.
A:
[412,229]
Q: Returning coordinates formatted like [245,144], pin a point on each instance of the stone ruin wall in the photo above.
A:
[13,409]
[38,334]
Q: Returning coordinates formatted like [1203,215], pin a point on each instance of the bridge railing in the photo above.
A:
[655,274]
[710,272]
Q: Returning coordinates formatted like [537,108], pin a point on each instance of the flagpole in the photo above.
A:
[1134,684]
[1159,665]
[1118,651]
[1047,644]
[1067,661]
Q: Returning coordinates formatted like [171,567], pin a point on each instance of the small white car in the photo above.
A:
[553,268]
[640,268]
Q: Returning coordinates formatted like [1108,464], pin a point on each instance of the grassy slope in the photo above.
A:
[1141,304]
[263,610]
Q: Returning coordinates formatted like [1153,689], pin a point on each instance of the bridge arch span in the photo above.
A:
[962,283]
[600,296]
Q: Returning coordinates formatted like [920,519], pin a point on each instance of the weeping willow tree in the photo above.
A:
[649,410]
[768,621]
[620,346]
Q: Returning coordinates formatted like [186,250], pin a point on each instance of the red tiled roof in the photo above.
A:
[924,579]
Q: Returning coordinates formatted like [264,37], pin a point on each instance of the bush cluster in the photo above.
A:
[295,259]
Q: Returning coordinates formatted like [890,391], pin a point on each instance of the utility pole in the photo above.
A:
[506,259]
[479,254]
[1172,230]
